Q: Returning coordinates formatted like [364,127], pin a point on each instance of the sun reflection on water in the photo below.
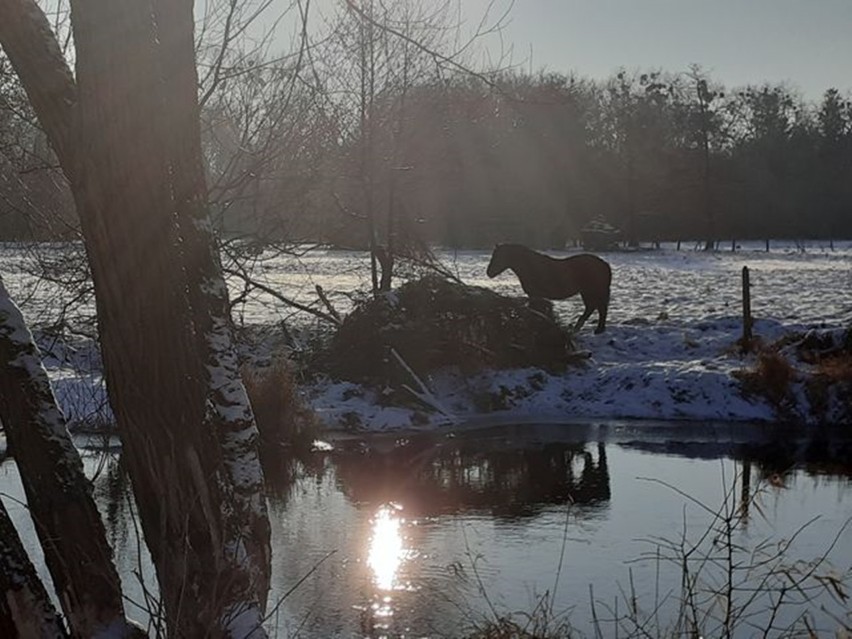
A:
[386,547]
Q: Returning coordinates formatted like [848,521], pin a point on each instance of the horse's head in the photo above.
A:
[499,262]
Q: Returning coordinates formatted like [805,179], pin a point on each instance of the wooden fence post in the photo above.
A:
[745,491]
[747,320]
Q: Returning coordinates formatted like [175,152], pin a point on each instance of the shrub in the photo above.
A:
[824,361]
[282,417]
[771,377]
[775,374]
[832,379]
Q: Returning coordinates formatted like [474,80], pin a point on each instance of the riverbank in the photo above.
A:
[649,370]
[670,350]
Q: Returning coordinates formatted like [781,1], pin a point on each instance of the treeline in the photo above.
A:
[662,156]
[467,160]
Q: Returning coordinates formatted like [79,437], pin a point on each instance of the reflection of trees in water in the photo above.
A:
[112,488]
[505,478]
[782,463]
[815,453]
[498,476]
[779,460]
[282,473]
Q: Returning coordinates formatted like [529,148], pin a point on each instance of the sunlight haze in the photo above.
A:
[804,44]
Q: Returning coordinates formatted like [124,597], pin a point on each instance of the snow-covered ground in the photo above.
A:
[668,352]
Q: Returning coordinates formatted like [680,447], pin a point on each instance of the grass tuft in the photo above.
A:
[775,374]
[282,417]
[772,377]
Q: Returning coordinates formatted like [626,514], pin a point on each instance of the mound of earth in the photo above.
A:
[433,323]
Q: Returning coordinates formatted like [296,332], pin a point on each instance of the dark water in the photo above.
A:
[432,535]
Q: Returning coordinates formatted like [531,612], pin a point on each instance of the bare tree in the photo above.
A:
[704,115]
[380,54]
[125,128]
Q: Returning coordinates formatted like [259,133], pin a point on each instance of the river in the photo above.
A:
[433,535]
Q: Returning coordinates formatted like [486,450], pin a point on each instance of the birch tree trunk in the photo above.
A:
[58,493]
[130,146]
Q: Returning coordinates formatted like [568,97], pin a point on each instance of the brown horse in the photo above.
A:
[542,276]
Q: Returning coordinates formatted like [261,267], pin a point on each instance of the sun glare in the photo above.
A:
[386,548]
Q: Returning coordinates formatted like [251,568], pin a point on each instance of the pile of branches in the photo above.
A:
[434,323]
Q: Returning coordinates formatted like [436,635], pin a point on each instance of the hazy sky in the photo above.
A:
[807,43]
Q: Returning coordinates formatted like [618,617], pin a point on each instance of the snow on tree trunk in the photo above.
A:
[25,609]
[158,379]
[246,522]
[58,493]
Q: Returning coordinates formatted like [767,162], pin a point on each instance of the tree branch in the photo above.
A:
[286,300]
[31,45]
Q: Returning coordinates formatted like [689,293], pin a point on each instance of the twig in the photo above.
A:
[424,394]
[324,299]
[281,298]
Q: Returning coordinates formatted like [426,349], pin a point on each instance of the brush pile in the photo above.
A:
[434,323]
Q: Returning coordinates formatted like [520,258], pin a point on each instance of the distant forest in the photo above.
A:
[467,160]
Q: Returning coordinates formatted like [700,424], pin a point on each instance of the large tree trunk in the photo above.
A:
[151,366]
[189,436]
[231,416]
[59,496]
[165,299]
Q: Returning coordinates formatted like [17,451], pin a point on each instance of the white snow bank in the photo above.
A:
[656,371]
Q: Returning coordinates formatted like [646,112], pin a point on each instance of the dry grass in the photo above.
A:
[817,360]
[831,376]
[507,628]
[733,582]
[775,374]
[771,377]
[282,417]
[837,368]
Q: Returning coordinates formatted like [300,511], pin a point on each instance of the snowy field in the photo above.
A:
[668,352]
[669,349]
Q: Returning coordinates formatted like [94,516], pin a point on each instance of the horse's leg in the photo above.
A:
[601,318]
[582,319]
[586,313]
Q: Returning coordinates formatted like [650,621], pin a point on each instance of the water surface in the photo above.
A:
[432,535]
